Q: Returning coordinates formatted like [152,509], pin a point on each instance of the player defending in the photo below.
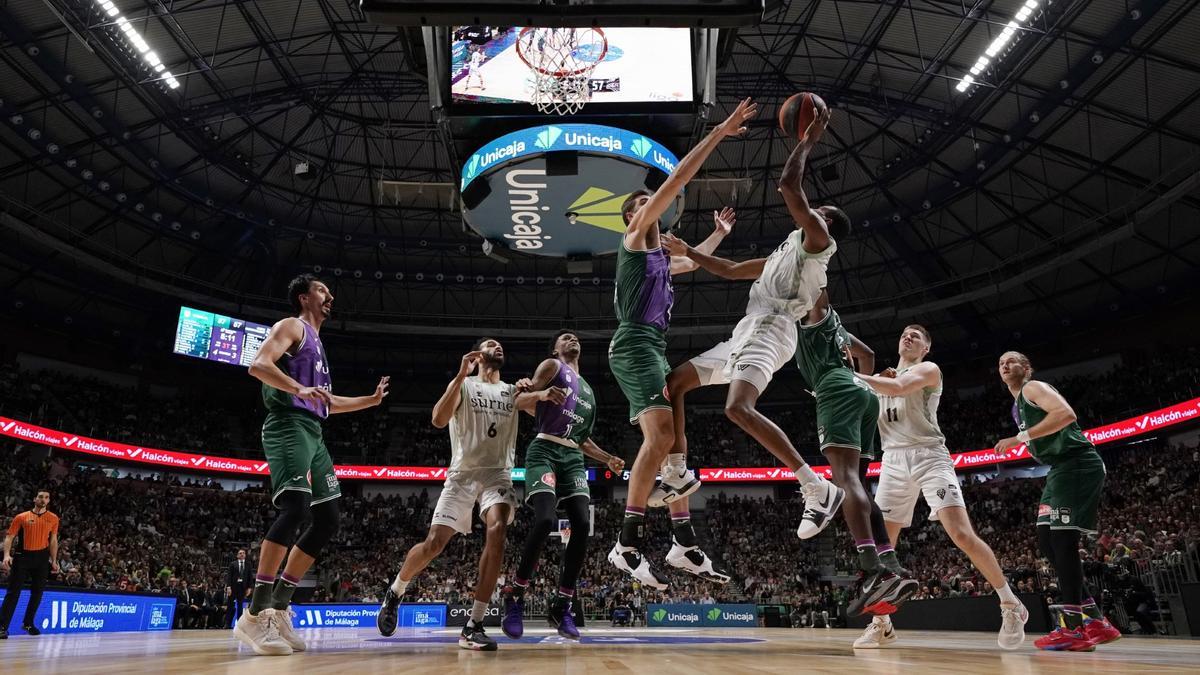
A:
[786,284]
[555,476]
[481,412]
[298,395]
[916,462]
[637,353]
[1049,428]
[475,68]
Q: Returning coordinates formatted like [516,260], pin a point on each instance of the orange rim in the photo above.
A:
[563,73]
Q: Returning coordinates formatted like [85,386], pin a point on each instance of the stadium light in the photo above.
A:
[993,52]
[138,43]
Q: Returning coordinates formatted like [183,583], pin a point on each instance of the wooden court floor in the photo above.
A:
[657,651]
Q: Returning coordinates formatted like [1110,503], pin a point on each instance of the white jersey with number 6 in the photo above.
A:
[910,422]
[483,431]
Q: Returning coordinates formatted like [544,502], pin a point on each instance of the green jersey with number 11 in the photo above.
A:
[483,431]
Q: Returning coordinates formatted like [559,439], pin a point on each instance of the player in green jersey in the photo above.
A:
[1068,507]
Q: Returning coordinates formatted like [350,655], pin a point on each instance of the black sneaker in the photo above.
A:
[3,634]
[387,619]
[31,629]
[882,592]
[473,637]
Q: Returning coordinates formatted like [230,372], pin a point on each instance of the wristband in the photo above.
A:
[1023,437]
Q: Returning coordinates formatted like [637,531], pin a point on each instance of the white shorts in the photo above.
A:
[760,345]
[907,474]
[463,488]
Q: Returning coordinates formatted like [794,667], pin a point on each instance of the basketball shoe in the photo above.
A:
[261,633]
[387,619]
[513,624]
[879,634]
[474,638]
[821,501]
[882,592]
[560,617]
[673,485]
[1066,640]
[1100,631]
[629,559]
[693,560]
[287,630]
[1012,626]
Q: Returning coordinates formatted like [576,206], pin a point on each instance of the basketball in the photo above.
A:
[798,112]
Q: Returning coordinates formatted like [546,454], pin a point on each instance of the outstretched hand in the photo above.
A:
[723,221]
[816,128]
[735,124]
[381,389]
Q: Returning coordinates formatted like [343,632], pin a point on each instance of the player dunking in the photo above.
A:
[916,462]
[481,413]
[637,353]
[1049,428]
[298,394]
[555,476]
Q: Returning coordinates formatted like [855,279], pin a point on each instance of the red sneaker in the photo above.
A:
[1063,640]
[1100,631]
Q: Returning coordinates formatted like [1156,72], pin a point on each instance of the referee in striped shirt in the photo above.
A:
[38,529]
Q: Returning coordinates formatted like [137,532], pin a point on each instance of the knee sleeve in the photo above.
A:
[577,513]
[324,525]
[1044,548]
[293,508]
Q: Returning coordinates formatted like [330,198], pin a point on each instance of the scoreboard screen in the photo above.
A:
[215,337]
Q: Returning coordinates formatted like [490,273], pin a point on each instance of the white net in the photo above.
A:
[561,61]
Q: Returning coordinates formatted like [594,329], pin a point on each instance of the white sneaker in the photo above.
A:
[673,486]
[261,633]
[821,501]
[287,630]
[629,559]
[1012,630]
[878,634]
[695,561]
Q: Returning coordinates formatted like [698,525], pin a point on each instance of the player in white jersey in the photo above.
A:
[475,67]
[786,285]
[482,414]
[916,462]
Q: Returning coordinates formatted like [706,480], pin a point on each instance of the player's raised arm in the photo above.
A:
[920,376]
[791,185]
[284,335]
[722,225]
[444,409]
[722,267]
[541,390]
[647,217]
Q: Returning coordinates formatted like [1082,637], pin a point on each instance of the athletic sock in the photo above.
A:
[399,586]
[884,620]
[1072,616]
[478,610]
[1007,596]
[868,557]
[888,558]
[633,528]
[1091,610]
[681,527]
[806,475]
[285,586]
[261,598]
[518,587]
[677,462]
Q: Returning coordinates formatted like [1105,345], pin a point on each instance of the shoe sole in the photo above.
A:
[245,639]
[886,607]
[876,645]
[688,491]
[490,647]
[715,577]
[837,504]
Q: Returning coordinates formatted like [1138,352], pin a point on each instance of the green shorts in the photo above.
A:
[1071,498]
[556,468]
[637,357]
[297,457]
[847,413]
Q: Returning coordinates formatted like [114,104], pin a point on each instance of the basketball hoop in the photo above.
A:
[562,61]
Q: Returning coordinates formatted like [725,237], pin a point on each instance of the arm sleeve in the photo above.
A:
[14,527]
[54,524]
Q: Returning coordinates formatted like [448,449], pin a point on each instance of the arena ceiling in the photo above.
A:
[1060,189]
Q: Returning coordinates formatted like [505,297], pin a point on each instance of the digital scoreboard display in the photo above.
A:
[215,337]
